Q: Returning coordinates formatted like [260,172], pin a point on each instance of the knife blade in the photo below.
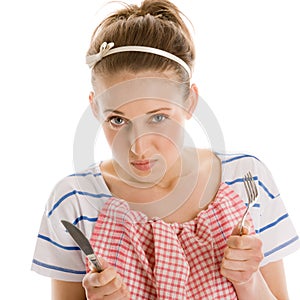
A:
[83,244]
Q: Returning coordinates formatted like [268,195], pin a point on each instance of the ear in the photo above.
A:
[192,101]
[93,105]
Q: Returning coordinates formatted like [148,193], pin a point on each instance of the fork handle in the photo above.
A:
[241,230]
[243,222]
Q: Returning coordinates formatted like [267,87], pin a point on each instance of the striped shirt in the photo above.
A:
[80,197]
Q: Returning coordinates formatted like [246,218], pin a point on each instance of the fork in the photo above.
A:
[252,194]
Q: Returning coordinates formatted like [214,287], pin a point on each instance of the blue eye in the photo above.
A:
[117,121]
[159,118]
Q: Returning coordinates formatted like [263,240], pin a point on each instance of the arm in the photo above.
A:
[256,288]
[274,276]
[269,281]
[64,290]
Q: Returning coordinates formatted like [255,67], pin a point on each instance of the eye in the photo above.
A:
[117,121]
[159,118]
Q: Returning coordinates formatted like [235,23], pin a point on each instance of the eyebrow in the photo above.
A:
[159,109]
[114,111]
[149,112]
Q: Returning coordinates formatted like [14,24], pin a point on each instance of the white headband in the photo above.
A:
[106,49]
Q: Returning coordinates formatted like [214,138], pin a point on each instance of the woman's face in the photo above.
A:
[143,120]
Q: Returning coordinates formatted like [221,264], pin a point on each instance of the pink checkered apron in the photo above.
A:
[159,260]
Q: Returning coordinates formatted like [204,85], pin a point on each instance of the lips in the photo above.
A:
[143,165]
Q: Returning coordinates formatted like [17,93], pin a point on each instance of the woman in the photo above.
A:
[163,217]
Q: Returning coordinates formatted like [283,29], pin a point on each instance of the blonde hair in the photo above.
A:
[155,23]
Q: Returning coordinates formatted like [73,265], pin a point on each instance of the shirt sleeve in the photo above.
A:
[77,199]
[56,255]
[274,225]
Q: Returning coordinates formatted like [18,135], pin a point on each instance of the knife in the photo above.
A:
[83,244]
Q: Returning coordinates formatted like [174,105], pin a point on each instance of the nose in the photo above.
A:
[140,146]
[140,140]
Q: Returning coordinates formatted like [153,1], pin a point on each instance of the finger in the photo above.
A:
[120,294]
[236,277]
[245,242]
[95,279]
[107,275]
[239,242]
[91,280]
[238,254]
[239,265]
[112,287]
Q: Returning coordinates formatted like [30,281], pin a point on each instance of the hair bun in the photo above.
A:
[162,9]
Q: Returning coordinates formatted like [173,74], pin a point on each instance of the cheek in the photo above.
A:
[118,142]
[173,135]
[169,145]
[109,135]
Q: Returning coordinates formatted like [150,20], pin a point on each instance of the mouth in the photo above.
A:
[143,165]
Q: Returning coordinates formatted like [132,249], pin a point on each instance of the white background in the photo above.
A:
[247,71]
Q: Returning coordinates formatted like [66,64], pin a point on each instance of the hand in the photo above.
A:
[106,285]
[242,257]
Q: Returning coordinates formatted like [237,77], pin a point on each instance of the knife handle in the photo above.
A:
[94,260]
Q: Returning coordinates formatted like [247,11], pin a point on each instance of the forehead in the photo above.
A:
[111,96]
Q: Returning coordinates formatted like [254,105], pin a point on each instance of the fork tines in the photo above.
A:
[250,187]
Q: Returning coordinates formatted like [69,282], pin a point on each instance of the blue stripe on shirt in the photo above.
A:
[84,218]
[46,238]
[225,161]
[85,174]
[235,181]
[74,192]
[56,268]
[257,205]
[294,239]
[266,190]
[272,224]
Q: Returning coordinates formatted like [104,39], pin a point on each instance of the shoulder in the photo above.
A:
[240,164]
[236,166]
[77,193]
[238,160]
